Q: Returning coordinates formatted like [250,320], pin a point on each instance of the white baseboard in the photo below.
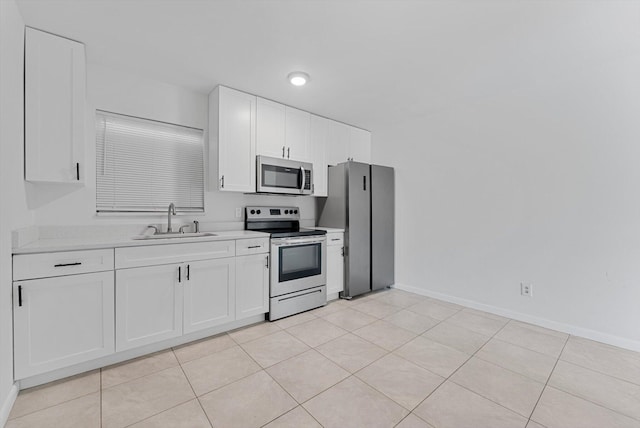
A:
[5,410]
[598,336]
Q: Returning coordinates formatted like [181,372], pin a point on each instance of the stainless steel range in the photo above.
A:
[298,260]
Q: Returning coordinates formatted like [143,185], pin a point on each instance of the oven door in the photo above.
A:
[297,264]
[284,176]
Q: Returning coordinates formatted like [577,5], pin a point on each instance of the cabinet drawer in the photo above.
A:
[335,238]
[43,265]
[172,253]
[252,246]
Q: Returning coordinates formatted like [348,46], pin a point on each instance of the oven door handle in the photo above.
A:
[286,242]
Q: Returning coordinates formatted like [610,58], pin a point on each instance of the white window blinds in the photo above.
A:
[144,165]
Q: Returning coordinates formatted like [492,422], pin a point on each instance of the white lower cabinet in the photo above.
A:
[252,285]
[148,305]
[335,263]
[209,298]
[62,321]
[156,293]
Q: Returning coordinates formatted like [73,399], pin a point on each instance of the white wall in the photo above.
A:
[13,205]
[121,92]
[537,179]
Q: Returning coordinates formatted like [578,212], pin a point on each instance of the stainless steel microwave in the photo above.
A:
[286,176]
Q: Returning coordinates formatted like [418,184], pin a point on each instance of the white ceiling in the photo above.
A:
[381,65]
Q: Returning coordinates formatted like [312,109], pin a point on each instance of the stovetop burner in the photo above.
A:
[280,222]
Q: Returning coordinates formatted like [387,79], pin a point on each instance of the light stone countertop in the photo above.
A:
[91,243]
[329,229]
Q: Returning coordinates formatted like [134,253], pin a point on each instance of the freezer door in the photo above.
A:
[357,236]
[382,227]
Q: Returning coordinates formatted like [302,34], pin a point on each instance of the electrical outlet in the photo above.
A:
[238,212]
[526,289]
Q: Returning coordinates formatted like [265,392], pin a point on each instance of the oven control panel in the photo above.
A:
[272,213]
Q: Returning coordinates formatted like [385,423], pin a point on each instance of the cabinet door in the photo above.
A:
[359,145]
[297,130]
[271,129]
[209,297]
[252,285]
[54,108]
[335,269]
[148,305]
[338,144]
[319,139]
[232,124]
[62,321]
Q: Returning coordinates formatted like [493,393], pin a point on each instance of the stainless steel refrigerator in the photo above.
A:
[361,200]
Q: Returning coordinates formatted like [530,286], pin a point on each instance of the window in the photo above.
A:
[143,165]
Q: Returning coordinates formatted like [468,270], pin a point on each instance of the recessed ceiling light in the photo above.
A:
[298,78]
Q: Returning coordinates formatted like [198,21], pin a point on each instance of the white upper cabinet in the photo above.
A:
[297,134]
[271,129]
[348,143]
[319,143]
[232,136]
[283,131]
[55,93]
[338,144]
[359,145]
[242,126]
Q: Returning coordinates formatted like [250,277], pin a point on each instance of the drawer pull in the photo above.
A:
[254,246]
[68,264]
[335,239]
[19,295]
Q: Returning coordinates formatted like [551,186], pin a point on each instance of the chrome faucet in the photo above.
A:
[172,210]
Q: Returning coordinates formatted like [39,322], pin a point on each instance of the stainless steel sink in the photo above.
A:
[174,235]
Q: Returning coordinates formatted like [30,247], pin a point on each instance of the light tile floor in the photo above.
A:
[387,359]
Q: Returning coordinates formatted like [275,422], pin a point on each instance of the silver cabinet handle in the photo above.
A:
[267,263]
[222,182]
[288,151]
[282,151]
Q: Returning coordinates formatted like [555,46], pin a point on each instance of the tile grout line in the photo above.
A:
[169,408]
[278,383]
[599,371]
[549,377]
[456,370]
[100,374]
[58,381]
[588,399]
[191,386]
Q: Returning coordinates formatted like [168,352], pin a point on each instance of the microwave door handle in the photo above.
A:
[304,179]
